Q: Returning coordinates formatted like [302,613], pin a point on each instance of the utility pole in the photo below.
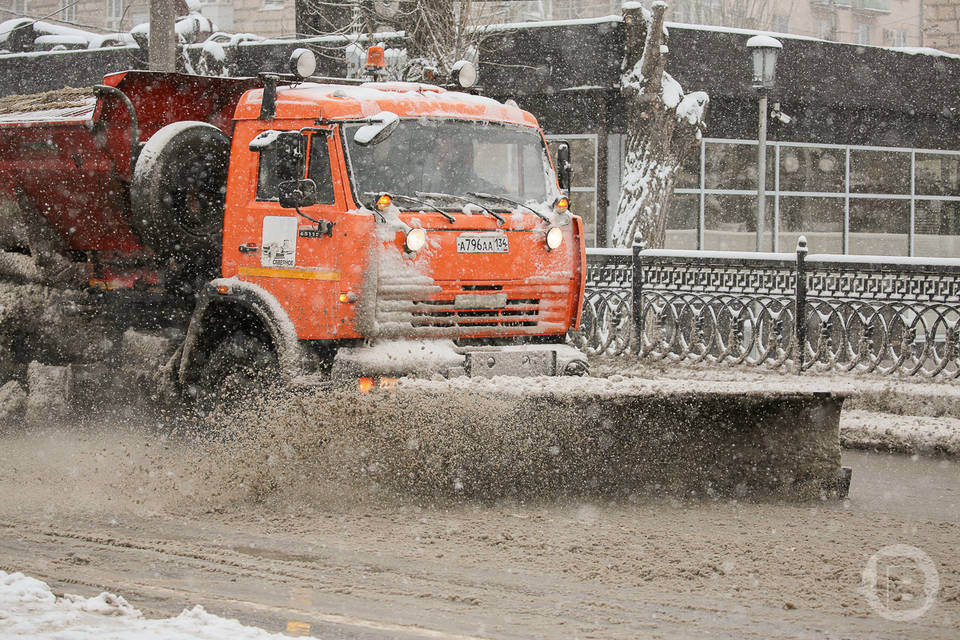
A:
[163,36]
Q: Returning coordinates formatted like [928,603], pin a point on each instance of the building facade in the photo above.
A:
[942,25]
[867,22]
[269,18]
[869,162]
[896,23]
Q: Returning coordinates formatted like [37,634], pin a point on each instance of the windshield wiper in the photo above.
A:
[431,206]
[490,196]
[500,219]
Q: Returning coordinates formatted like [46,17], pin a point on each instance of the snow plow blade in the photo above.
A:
[587,436]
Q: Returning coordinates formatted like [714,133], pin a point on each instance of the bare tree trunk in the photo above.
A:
[663,125]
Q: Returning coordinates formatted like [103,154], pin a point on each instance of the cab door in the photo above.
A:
[294,255]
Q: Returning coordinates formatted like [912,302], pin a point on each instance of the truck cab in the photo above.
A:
[397,211]
[285,224]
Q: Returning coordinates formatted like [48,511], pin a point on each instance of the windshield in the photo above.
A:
[454,157]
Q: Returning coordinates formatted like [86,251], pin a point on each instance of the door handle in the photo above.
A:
[249,247]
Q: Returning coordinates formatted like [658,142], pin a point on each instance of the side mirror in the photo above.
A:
[290,155]
[379,129]
[285,148]
[564,168]
[294,194]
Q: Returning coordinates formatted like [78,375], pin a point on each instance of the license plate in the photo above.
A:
[467,243]
[480,301]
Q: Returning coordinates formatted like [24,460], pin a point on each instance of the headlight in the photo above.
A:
[554,238]
[416,240]
[464,74]
[303,63]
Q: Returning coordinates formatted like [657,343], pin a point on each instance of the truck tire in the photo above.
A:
[177,193]
[240,367]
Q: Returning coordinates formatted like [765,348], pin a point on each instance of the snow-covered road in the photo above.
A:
[342,561]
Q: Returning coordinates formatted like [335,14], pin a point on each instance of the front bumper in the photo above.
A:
[425,358]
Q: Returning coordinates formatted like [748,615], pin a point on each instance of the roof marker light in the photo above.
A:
[376,58]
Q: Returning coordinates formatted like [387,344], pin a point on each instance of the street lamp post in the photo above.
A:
[765,50]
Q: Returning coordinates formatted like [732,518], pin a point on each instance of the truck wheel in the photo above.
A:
[177,191]
[240,367]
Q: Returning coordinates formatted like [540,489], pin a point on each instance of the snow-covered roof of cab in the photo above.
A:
[406,99]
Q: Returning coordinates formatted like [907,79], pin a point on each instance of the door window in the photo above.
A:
[319,168]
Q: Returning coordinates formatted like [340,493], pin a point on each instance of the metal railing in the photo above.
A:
[606,323]
[860,313]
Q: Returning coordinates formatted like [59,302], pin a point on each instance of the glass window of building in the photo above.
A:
[819,219]
[683,221]
[68,10]
[938,174]
[730,222]
[937,229]
[812,169]
[879,227]
[688,175]
[879,171]
[845,199]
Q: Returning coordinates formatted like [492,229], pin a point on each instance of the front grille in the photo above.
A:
[407,311]
[520,312]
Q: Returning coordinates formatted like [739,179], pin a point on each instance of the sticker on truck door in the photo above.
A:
[279,242]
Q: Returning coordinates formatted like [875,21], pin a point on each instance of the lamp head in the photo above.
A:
[765,50]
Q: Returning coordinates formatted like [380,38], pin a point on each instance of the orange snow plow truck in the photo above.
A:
[302,225]
[216,233]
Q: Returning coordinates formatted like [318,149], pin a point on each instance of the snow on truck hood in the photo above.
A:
[406,99]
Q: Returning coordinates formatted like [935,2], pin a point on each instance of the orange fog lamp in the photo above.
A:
[376,58]
[365,385]
[561,205]
[384,201]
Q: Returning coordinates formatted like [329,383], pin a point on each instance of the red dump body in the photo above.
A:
[71,160]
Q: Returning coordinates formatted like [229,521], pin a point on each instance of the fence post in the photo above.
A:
[800,321]
[638,245]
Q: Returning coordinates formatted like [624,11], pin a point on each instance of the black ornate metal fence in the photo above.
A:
[860,313]
[606,325]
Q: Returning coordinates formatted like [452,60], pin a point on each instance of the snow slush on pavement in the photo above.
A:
[280,230]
